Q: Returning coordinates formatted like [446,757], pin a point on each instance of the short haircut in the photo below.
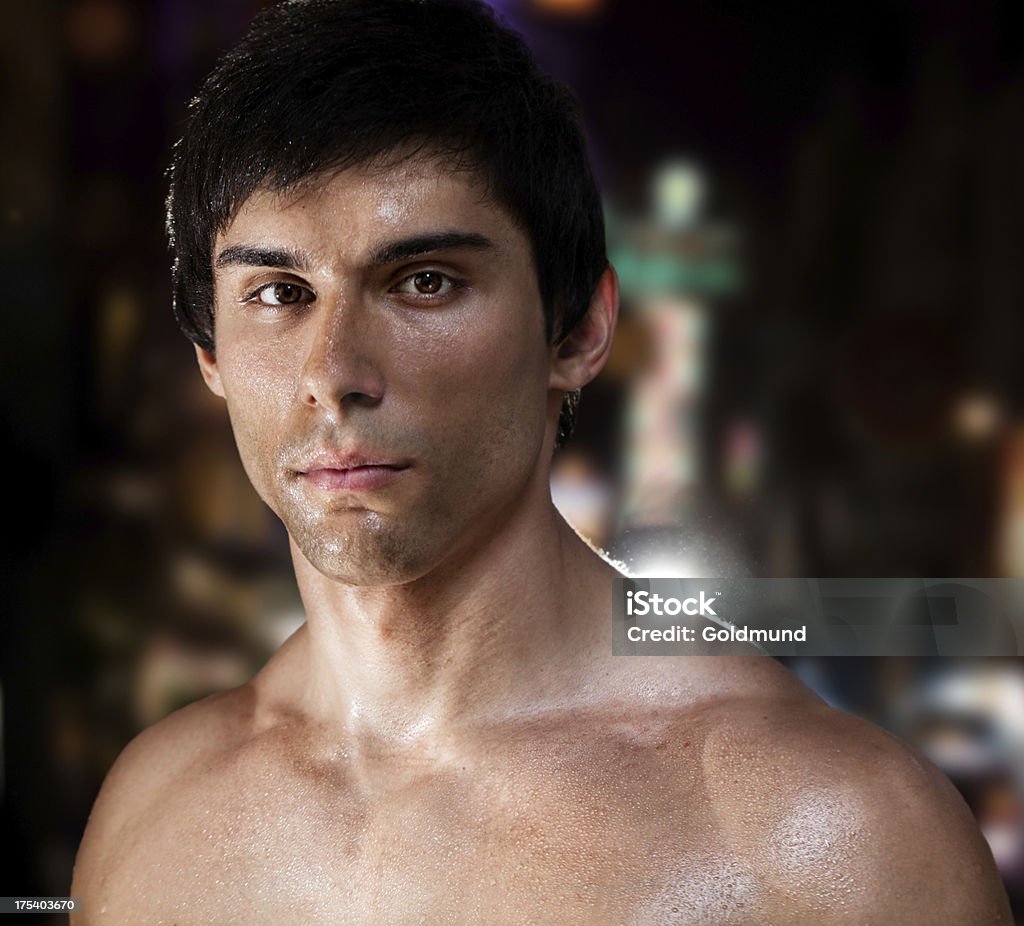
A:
[321,85]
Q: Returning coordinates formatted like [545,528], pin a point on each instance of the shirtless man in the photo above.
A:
[384,222]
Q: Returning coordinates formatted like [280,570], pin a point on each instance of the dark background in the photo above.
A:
[827,344]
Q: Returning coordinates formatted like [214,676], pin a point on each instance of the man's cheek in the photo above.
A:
[252,426]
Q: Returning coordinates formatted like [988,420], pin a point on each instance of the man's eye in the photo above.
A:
[282,294]
[427,283]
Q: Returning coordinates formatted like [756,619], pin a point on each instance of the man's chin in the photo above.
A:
[374,559]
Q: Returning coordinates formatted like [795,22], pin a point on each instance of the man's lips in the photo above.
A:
[350,474]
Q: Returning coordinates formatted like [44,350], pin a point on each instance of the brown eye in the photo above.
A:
[428,282]
[282,294]
[433,285]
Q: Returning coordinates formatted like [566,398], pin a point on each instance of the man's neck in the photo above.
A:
[496,633]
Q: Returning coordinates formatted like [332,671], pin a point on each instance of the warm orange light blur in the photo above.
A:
[569,7]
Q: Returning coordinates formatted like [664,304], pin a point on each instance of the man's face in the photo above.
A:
[380,344]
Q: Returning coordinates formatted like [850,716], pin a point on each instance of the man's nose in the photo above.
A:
[341,367]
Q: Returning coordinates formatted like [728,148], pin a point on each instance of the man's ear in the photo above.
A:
[577,359]
[208,367]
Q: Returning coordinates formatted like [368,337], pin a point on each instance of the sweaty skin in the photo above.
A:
[448,738]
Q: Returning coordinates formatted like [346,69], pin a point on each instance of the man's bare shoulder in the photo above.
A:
[780,804]
[840,821]
[161,753]
[153,765]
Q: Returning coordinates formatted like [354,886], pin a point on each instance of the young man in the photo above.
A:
[389,254]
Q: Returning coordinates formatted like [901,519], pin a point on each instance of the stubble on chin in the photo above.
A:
[367,551]
[361,547]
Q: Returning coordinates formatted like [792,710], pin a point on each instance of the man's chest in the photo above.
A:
[495,842]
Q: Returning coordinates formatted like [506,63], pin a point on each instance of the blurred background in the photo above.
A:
[816,214]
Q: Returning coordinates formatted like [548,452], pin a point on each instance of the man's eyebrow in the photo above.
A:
[407,248]
[248,255]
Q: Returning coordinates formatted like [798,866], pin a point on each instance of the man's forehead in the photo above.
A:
[376,213]
[386,182]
